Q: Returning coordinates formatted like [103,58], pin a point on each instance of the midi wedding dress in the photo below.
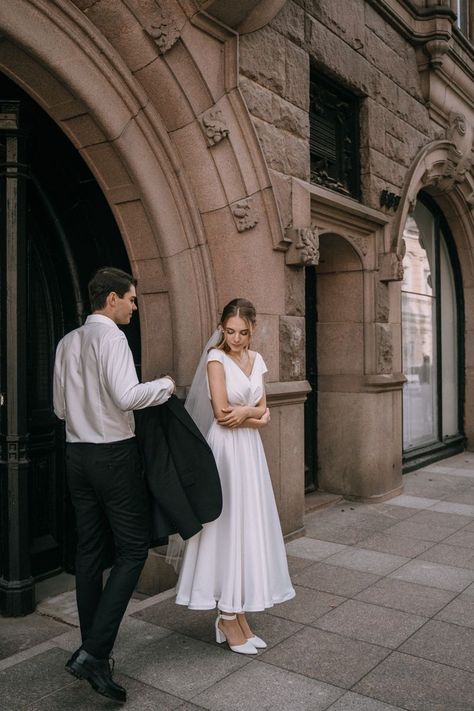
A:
[238,562]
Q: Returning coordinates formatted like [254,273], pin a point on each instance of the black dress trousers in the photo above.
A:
[108,492]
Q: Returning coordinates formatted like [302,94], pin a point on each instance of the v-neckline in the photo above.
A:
[238,366]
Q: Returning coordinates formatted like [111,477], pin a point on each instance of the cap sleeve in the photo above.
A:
[215,354]
[263,366]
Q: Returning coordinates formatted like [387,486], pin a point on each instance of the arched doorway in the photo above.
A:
[432,338]
[335,322]
[56,228]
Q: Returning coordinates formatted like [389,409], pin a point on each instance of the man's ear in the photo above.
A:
[111,299]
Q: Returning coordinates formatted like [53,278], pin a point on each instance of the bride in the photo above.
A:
[237,562]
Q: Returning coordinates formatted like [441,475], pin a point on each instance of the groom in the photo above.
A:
[95,390]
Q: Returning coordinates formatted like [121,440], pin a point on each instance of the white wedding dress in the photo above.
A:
[238,562]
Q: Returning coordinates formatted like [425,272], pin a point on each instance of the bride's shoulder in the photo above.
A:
[215,354]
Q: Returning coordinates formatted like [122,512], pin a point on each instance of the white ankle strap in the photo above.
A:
[225,616]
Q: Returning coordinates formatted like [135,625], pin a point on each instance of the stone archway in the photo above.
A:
[53,52]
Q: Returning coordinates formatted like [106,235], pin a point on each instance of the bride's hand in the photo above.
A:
[265,418]
[233,416]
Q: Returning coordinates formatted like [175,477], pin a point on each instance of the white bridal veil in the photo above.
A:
[199,406]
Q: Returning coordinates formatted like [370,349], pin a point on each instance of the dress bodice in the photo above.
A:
[242,389]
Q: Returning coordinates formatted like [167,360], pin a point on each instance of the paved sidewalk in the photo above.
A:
[383,620]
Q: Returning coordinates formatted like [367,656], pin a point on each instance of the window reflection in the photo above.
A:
[419,326]
[429,334]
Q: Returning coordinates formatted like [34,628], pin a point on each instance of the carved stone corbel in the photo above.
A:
[214,126]
[362,244]
[435,49]
[391,265]
[244,215]
[163,29]
[304,248]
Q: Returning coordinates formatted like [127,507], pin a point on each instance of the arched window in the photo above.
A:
[430,336]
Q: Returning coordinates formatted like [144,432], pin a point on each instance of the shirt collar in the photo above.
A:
[100,318]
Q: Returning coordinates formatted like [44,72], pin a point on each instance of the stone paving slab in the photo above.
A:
[80,697]
[313,549]
[463,509]
[445,643]
[29,681]
[296,564]
[348,535]
[264,687]
[419,685]
[412,502]
[18,634]
[460,611]
[432,574]
[367,561]
[408,597]
[182,666]
[371,623]
[325,656]
[463,538]
[422,530]
[449,555]
[133,636]
[199,624]
[388,542]
[334,579]
[356,702]
[307,606]
[450,520]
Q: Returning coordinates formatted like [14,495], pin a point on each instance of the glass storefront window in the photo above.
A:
[429,335]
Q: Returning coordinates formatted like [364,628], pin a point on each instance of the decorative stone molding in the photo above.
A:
[304,248]
[214,126]
[163,29]
[384,348]
[244,214]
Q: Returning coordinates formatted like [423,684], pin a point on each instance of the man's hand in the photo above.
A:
[165,375]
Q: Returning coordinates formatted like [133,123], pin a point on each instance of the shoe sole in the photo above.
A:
[77,672]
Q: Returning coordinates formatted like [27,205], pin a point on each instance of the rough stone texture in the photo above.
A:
[292,361]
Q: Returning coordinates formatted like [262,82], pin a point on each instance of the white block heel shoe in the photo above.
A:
[246,648]
[257,642]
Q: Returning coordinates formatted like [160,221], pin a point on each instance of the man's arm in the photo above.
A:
[59,404]
[121,381]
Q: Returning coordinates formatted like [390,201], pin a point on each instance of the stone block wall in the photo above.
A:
[353,44]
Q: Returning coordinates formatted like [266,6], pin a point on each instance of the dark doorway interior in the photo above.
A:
[56,229]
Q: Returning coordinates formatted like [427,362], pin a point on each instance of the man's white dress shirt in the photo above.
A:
[96,385]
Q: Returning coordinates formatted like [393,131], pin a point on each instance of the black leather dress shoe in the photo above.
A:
[97,672]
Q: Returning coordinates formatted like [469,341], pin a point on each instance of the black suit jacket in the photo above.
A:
[180,470]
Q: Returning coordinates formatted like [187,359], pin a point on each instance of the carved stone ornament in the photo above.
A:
[214,126]
[384,348]
[362,244]
[244,214]
[164,29]
[391,265]
[436,49]
[304,248]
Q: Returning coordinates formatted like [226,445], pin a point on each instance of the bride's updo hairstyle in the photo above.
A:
[243,309]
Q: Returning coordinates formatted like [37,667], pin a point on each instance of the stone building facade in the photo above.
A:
[198,121]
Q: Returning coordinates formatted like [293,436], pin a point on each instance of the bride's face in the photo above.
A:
[237,334]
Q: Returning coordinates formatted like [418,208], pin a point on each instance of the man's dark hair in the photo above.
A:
[105,281]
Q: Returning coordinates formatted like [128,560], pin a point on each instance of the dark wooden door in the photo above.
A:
[56,229]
